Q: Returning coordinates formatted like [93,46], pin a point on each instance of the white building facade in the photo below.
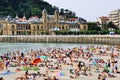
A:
[114,17]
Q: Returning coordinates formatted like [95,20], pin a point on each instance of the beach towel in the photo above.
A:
[94,63]
[60,74]
[6,73]
[0,60]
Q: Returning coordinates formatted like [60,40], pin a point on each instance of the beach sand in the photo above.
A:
[65,70]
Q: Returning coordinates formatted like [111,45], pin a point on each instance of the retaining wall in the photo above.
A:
[97,39]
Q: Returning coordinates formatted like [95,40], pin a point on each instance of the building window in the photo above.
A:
[84,27]
[34,27]
[62,27]
[13,27]
[66,27]
[1,25]
[18,32]
[41,27]
[12,32]
[45,28]
[28,27]
[50,27]
[37,26]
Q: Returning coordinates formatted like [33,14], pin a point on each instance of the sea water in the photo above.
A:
[11,47]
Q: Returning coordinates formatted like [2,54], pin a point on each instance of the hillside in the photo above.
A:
[29,8]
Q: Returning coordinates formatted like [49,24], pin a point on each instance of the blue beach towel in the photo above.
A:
[6,73]
[94,63]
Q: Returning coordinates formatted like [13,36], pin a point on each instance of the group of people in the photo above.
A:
[4,62]
[76,58]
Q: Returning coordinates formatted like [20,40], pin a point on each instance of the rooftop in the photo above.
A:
[104,18]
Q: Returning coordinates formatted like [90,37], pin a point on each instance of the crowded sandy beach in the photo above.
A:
[78,63]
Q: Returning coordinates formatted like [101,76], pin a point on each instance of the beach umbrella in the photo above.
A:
[38,60]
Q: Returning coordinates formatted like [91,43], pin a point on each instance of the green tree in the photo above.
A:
[21,12]
[93,26]
[10,10]
[27,7]
[103,32]
[61,11]
[105,26]
[35,11]
[111,25]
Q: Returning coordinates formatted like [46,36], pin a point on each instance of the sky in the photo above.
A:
[88,9]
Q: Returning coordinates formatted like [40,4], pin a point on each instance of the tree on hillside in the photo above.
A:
[36,11]
[29,8]
[61,11]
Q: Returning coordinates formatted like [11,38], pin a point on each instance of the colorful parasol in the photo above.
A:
[36,61]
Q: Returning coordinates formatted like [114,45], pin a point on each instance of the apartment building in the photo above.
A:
[114,16]
[102,21]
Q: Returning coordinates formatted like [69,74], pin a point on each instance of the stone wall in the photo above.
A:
[97,39]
